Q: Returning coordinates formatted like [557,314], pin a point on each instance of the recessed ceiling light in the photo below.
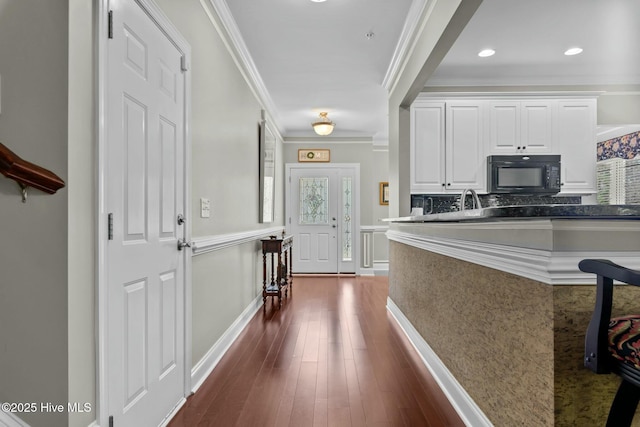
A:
[486,52]
[318,1]
[573,51]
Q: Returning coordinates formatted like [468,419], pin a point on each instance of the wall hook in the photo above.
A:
[23,190]
[27,174]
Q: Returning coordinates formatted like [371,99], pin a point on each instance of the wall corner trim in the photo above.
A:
[460,400]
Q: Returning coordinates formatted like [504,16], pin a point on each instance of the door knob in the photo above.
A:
[182,243]
[181,219]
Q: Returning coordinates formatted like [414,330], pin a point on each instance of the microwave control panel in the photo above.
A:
[553,177]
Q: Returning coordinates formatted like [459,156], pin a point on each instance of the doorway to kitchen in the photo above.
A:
[323,215]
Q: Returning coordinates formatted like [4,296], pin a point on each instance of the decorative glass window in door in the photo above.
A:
[314,201]
[347,231]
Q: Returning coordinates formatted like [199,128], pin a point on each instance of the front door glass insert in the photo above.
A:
[314,201]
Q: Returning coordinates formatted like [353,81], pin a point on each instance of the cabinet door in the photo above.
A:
[504,127]
[576,127]
[536,135]
[427,147]
[464,156]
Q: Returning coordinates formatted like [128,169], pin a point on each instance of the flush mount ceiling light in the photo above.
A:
[324,126]
[573,51]
[486,52]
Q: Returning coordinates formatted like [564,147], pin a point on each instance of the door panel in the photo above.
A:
[323,250]
[145,193]
[135,336]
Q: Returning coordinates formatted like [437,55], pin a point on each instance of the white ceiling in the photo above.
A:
[530,37]
[316,57]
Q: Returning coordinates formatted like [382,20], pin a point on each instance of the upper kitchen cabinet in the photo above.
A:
[465,160]
[447,149]
[575,131]
[451,138]
[427,136]
[520,127]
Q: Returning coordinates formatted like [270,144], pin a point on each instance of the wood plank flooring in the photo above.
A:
[331,356]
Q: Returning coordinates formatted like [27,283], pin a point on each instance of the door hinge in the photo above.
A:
[183,63]
[110,25]
[110,420]
[110,226]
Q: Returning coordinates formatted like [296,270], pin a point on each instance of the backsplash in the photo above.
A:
[440,203]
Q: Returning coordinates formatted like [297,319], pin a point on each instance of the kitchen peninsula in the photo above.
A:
[494,301]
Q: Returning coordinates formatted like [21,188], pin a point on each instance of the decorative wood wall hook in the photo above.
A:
[26,174]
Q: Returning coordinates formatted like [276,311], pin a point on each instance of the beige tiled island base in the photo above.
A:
[514,344]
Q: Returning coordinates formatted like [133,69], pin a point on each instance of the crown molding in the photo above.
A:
[405,44]
[230,33]
[327,140]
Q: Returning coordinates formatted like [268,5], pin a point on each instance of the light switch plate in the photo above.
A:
[205,208]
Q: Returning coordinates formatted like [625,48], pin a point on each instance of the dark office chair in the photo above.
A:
[612,345]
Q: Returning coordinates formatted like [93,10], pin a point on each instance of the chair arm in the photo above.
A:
[606,268]
[596,352]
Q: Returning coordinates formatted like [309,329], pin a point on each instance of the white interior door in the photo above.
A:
[145,186]
[322,216]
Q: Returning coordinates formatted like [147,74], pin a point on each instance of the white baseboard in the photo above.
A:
[205,366]
[466,408]
[7,419]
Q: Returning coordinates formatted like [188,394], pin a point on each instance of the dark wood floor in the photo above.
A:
[331,356]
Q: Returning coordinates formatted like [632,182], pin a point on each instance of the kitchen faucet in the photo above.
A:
[476,199]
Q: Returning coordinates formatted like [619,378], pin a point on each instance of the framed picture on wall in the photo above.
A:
[384,193]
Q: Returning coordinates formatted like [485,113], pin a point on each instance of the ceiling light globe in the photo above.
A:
[324,126]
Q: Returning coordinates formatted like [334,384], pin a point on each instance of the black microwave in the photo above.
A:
[523,174]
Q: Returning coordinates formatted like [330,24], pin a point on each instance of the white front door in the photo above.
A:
[145,187]
[322,212]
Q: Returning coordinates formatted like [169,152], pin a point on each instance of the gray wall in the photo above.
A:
[619,109]
[224,127]
[33,255]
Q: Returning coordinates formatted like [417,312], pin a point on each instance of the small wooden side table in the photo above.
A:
[281,279]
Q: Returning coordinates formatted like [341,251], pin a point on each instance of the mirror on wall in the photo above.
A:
[267,172]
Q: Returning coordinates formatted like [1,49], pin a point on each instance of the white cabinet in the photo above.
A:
[536,133]
[450,139]
[427,147]
[576,140]
[447,149]
[524,126]
[465,162]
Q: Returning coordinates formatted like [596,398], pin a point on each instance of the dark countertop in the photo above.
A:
[528,212]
